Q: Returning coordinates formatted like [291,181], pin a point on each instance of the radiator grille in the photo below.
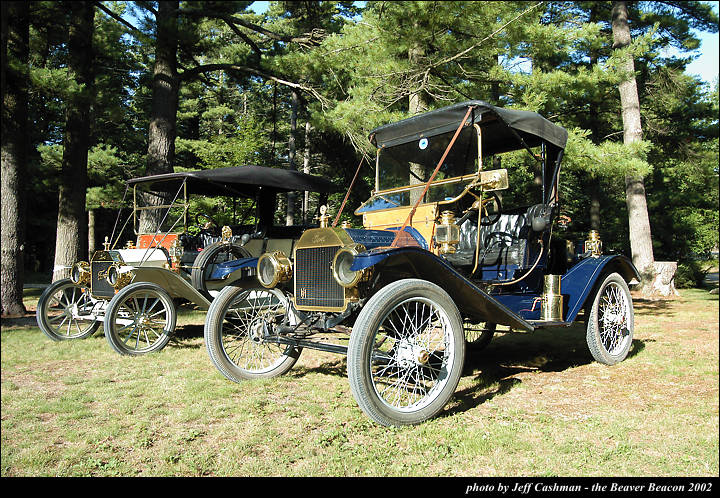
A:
[315,285]
[100,287]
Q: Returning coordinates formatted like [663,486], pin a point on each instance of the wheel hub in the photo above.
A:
[410,354]
[257,331]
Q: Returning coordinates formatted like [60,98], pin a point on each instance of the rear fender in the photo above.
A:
[580,282]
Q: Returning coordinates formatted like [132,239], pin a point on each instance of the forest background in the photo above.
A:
[95,93]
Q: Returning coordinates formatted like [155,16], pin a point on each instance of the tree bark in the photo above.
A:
[15,50]
[91,232]
[306,170]
[291,196]
[163,119]
[416,104]
[638,219]
[73,178]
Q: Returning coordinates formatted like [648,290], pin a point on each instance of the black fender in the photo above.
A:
[415,262]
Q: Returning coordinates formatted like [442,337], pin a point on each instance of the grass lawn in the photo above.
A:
[529,405]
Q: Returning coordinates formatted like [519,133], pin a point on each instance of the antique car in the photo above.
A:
[440,265]
[133,289]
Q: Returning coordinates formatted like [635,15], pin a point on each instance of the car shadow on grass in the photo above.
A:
[498,369]
[185,337]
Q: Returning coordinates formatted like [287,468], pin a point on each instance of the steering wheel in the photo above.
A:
[486,211]
[210,223]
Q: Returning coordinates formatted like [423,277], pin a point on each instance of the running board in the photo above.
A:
[539,324]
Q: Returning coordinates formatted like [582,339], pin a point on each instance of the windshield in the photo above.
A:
[414,162]
[404,169]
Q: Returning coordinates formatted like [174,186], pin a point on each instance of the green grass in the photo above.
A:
[530,405]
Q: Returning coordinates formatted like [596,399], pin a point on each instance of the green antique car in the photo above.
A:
[133,289]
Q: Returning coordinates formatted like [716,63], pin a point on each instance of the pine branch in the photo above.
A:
[197,70]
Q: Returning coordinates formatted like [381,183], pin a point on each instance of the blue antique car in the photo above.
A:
[438,268]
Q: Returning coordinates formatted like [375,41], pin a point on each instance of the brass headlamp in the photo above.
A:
[119,276]
[80,273]
[341,266]
[273,268]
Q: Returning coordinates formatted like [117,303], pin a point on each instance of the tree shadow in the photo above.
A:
[643,306]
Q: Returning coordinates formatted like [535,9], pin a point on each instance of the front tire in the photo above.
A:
[406,353]
[140,319]
[60,310]
[239,331]
[611,322]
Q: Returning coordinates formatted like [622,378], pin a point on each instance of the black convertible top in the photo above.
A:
[236,181]
[499,135]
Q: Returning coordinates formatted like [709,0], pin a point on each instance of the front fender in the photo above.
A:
[173,283]
[471,300]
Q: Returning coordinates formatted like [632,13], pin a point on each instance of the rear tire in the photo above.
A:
[219,252]
[611,323]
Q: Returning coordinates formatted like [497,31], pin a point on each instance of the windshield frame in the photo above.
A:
[468,180]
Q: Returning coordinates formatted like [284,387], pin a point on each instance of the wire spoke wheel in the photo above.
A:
[413,348]
[406,352]
[241,334]
[140,319]
[611,322]
[64,312]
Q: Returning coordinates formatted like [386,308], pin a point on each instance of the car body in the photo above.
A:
[434,272]
[132,289]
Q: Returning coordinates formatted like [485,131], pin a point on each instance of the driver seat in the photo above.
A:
[506,243]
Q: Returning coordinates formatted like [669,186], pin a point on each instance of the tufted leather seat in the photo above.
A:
[502,243]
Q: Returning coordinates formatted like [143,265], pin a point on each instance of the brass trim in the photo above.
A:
[551,303]
[84,273]
[448,243]
[354,249]
[226,233]
[282,268]
[107,257]
[324,237]
[593,244]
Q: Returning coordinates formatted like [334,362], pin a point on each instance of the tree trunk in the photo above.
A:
[163,119]
[73,178]
[306,170]
[91,232]
[291,196]
[638,219]
[15,50]
[416,104]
